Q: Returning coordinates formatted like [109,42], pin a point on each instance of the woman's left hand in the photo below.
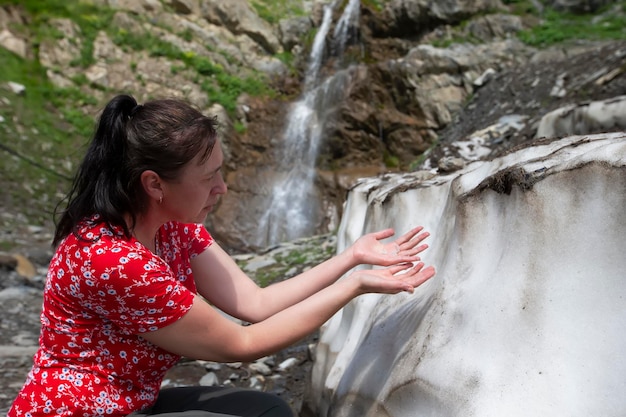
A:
[368,249]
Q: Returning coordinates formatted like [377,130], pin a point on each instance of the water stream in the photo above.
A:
[292,210]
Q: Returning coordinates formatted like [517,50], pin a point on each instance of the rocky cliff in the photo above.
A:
[417,75]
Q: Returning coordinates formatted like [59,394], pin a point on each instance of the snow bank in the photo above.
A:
[527,313]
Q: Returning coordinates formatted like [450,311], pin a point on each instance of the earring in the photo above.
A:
[160,199]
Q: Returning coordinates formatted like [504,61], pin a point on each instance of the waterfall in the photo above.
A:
[291,210]
[317,51]
[342,33]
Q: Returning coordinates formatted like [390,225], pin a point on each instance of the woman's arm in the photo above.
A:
[205,334]
[220,280]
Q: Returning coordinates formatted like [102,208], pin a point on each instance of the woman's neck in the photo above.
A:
[145,232]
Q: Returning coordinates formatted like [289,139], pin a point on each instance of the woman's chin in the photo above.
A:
[201,217]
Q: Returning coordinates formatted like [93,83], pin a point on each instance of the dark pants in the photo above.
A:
[216,402]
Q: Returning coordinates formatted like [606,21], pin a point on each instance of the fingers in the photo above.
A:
[409,235]
[394,279]
[416,276]
[415,240]
[406,266]
[410,245]
[424,275]
[383,234]
[415,250]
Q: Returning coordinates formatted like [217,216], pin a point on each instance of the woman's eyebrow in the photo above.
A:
[216,170]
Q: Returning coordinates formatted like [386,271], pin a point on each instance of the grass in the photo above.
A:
[291,261]
[558,27]
[43,132]
[91,19]
[273,10]
[39,139]
[53,119]
[375,4]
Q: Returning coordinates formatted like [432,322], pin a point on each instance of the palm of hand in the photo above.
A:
[370,250]
[395,278]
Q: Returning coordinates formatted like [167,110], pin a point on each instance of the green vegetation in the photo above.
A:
[554,27]
[374,4]
[221,87]
[40,102]
[90,18]
[37,153]
[274,10]
[44,129]
[391,161]
[558,27]
[291,261]
[421,158]
[521,7]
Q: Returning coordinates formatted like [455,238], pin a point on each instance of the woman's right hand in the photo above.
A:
[393,279]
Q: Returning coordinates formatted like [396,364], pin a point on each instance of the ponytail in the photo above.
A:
[100,184]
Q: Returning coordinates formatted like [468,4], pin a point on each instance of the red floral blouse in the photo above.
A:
[102,291]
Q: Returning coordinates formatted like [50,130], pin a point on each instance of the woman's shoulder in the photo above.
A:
[191,236]
[184,230]
[95,238]
[94,229]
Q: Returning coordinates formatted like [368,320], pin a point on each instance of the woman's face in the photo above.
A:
[198,189]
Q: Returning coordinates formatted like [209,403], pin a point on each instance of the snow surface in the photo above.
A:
[527,313]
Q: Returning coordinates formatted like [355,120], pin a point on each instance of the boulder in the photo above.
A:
[413,16]
[238,17]
[596,116]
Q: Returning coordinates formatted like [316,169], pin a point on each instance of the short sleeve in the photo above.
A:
[138,294]
[200,239]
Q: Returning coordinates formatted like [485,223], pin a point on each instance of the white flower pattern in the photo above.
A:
[101,293]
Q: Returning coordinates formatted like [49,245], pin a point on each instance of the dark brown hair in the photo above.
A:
[160,135]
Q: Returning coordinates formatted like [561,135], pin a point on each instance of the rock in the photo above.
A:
[450,164]
[485,77]
[209,380]
[239,18]
[260,368]
[287,363]
[14,44]
[60,52]
[24,267]
[559,86]
[16,88]
[12,350]
[8,261]
[494,26]
[185,6]
[386,116]
[407,17]
[578,6]
[293,30]
[256,383]
[596,116]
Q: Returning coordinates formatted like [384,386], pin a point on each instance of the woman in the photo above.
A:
[127,289]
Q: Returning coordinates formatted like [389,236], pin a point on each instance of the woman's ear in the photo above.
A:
[152,185]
